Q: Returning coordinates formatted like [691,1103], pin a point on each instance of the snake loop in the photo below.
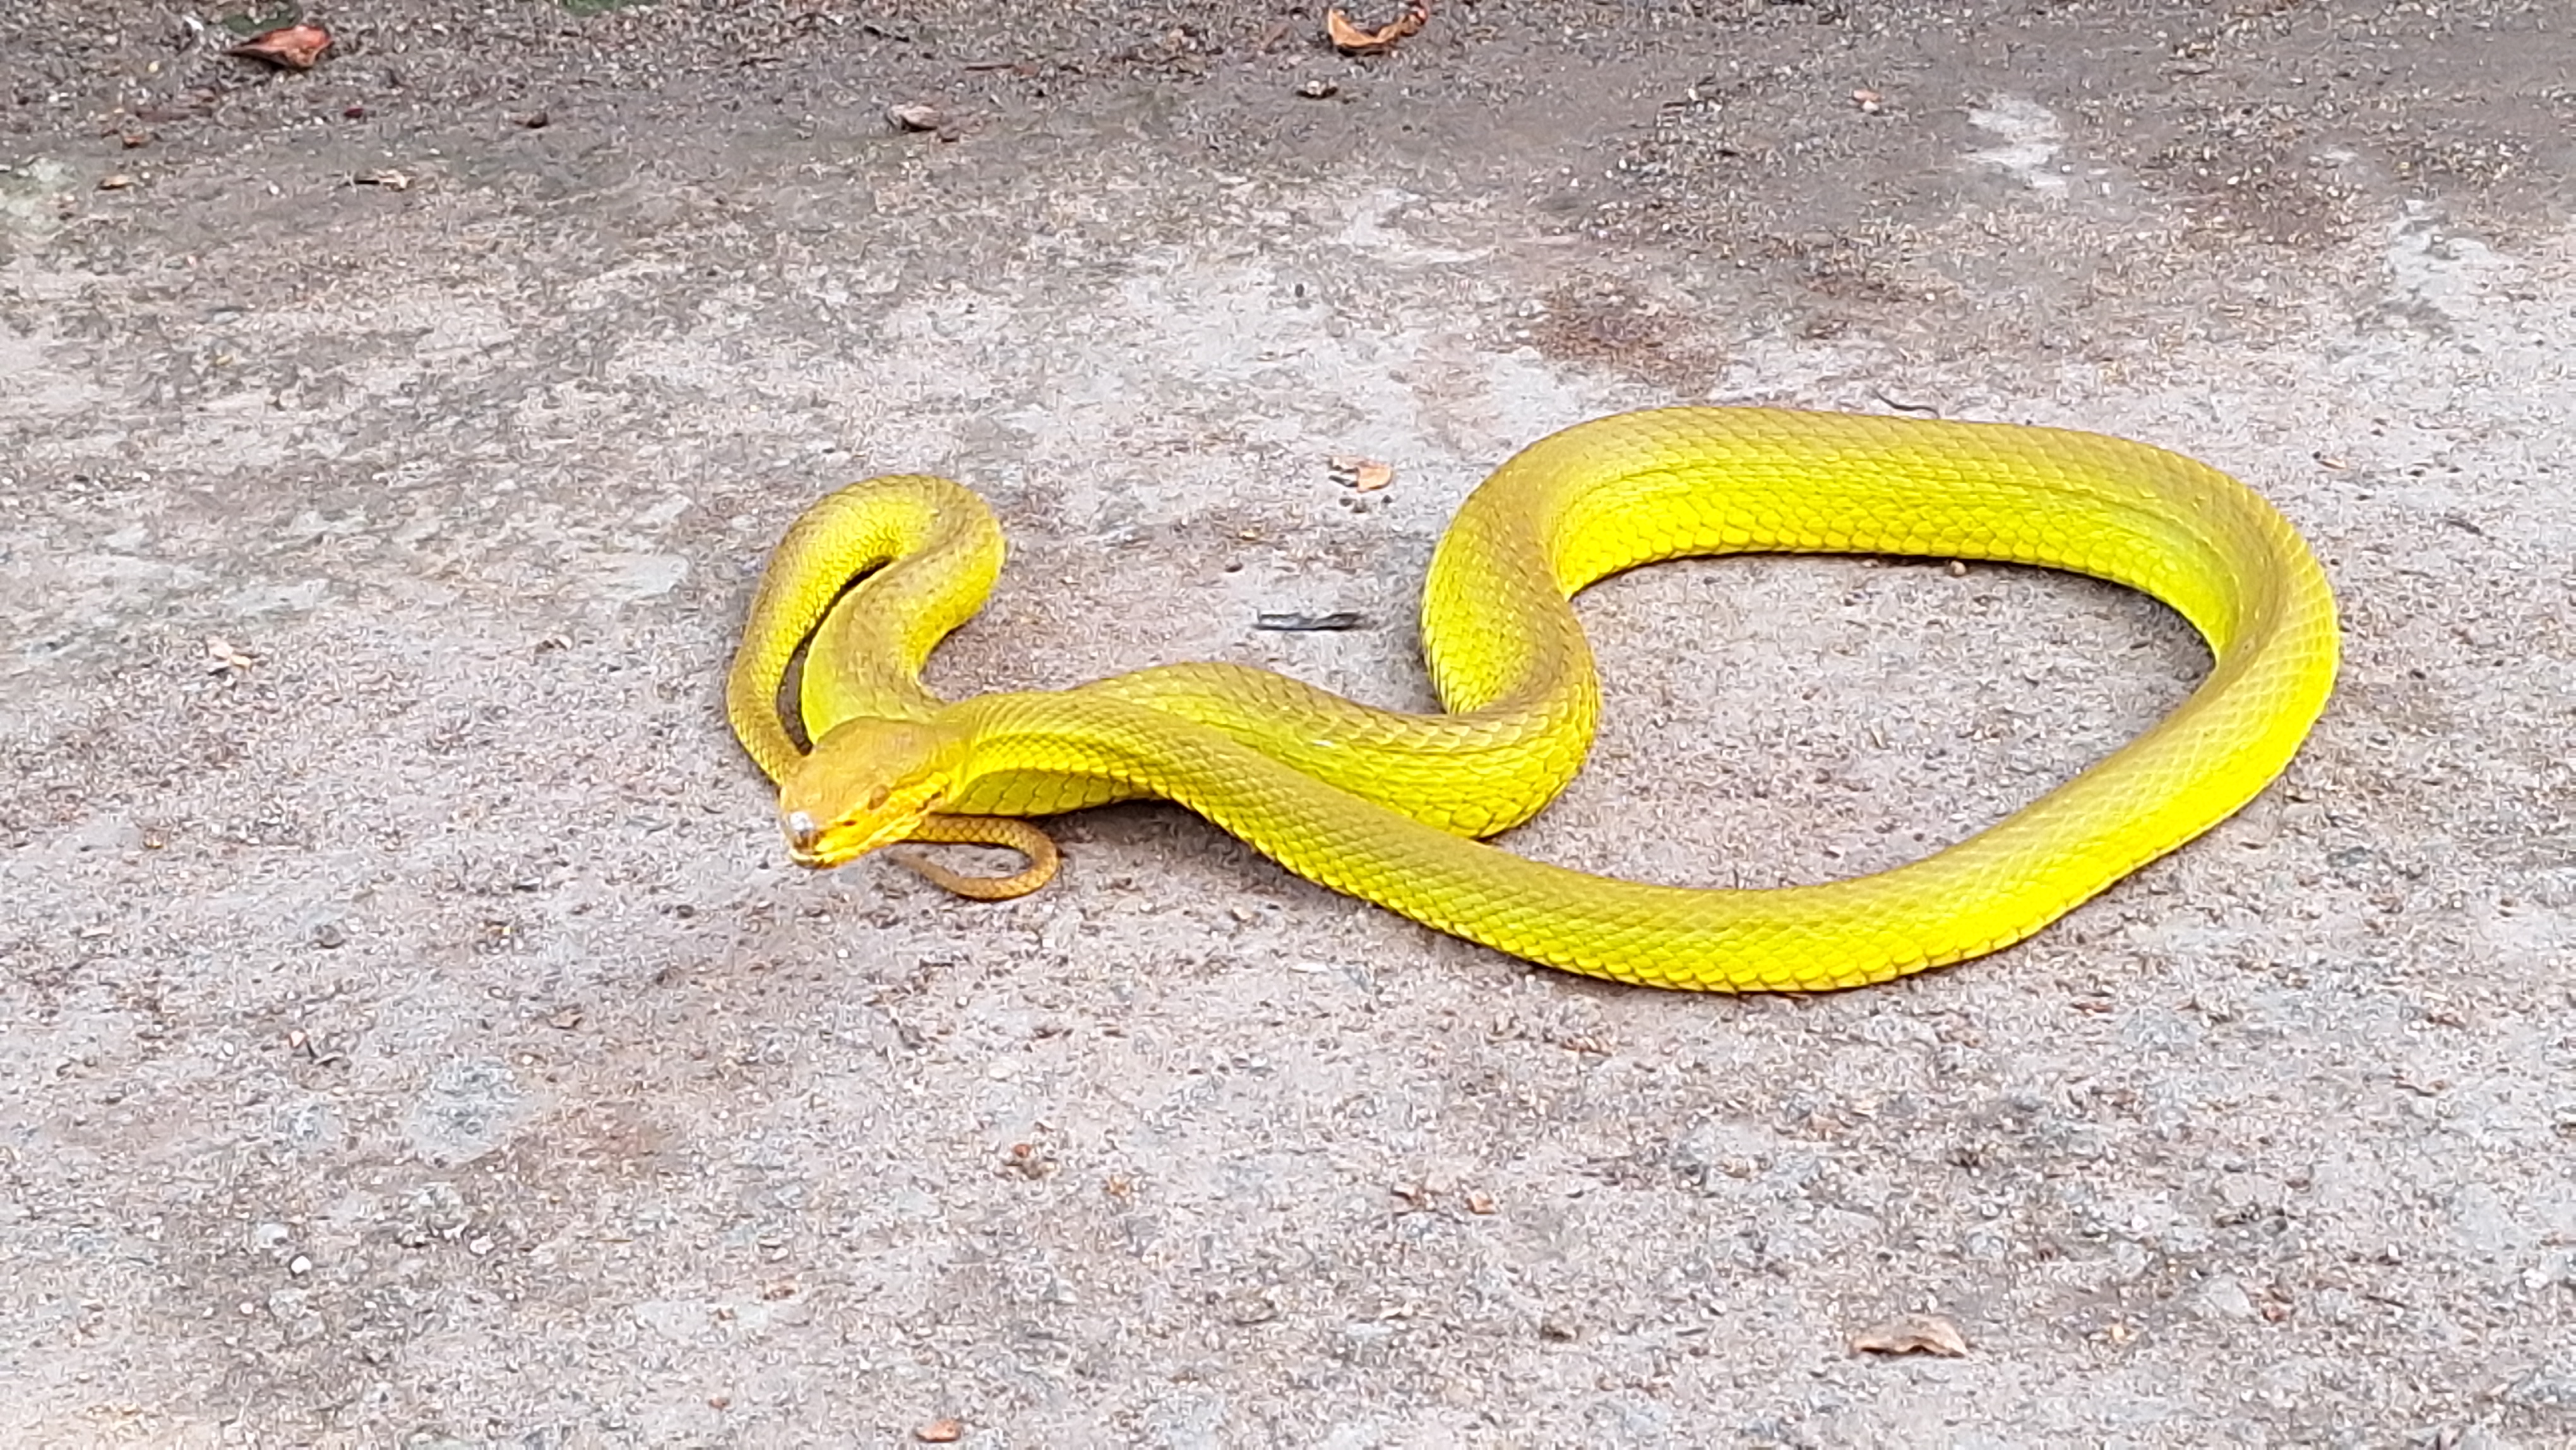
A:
[1387,806]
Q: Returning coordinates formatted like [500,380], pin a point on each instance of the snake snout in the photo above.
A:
[814,852]
[804,840]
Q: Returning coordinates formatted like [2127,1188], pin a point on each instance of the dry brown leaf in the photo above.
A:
[290,47]
[1352,39]
[1912,1334]
[1361,475]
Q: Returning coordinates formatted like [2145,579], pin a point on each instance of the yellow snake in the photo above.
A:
[1384,805]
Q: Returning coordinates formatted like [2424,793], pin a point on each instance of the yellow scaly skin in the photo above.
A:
[1509,661]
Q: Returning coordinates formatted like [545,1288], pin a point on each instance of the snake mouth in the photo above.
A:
[822,845]
[821,859]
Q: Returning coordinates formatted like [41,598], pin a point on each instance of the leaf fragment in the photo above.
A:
[1912,1334]
[289,47]
[1351,38]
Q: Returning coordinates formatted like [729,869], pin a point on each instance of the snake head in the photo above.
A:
[869,783]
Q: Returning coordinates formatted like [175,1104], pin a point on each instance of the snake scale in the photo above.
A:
[1388,806]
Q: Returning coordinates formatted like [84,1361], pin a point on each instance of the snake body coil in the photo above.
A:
[1383,805]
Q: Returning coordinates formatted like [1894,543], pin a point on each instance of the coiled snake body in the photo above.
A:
[1385,805]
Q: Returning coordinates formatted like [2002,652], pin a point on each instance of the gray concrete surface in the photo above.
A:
[414,1037]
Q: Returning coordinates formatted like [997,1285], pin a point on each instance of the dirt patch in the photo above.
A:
[415,1034]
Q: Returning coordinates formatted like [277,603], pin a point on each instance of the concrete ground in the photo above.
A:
[414,1035]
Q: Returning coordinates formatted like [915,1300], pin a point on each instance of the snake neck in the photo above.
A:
[866,583]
